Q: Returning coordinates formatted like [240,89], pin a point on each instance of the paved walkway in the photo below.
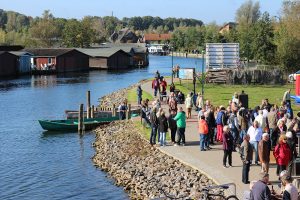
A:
[209,162]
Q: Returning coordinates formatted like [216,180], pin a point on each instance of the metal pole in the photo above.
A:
[202,75]
[173,72]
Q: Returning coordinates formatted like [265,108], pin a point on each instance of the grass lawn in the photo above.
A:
[221,94]
[132,96]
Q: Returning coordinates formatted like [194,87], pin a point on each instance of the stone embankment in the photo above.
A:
[143,170]
[117,97]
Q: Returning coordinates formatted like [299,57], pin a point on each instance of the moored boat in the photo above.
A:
[72,124]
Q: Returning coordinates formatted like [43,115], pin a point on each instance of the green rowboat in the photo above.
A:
[72,124]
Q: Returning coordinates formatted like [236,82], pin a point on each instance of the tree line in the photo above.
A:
[270,40]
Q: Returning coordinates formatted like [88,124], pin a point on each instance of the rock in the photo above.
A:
[140,168]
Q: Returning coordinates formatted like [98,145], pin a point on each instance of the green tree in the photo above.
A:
[287,36]
[263,47]
[246,16]
[2,36]
[44,31]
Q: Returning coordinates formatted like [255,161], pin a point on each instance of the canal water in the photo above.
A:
[35,164]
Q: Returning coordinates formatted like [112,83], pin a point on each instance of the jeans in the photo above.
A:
[153,134]
[139,100]
[181,135]
[155,92]
[245,172]
[227,154]
[242,134]
[203,141]
[162,138]
[254,145]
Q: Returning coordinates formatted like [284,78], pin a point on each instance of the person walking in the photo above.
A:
[203,131]
[227,146]
[282,154]
[260,189]
[189,105]
[181,124]
[139,93]
[163,128]
[172,125]
[255,134]
[247,156]
[155,86]
[154,126]
[264,152]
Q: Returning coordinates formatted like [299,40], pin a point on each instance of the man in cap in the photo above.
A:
[260,190]
[264,152]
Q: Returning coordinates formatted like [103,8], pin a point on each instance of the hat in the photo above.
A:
[289,134]
[262,175]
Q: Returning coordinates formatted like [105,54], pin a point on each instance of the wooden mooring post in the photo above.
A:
[128,113]
[114,110]
[88,105]
[93,111]
[80,120]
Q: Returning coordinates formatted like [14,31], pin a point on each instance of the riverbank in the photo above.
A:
[143,170]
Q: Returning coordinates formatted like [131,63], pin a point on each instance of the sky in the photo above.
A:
[219,11]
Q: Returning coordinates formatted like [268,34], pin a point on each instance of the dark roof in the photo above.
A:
[101,52]
[20,53]
[53,52]
[3,52]
[11,47]
[128,47]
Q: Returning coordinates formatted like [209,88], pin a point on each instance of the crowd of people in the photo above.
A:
[254,134]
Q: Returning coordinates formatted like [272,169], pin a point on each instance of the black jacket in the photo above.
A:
[163,124]
[153,119]
[172,122]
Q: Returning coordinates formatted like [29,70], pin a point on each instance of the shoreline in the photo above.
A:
[142,170]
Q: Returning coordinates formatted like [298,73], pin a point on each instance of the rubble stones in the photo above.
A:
[141,169]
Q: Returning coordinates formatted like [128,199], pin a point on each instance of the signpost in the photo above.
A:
[188,74]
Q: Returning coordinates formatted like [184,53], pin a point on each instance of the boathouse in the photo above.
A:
[8,64]
[59,59]
[24,61]
[107,58]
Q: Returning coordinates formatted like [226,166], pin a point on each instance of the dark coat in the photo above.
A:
[247,151]
[172,122]
[211,121]
[153,119]
[227,141]
[163,124]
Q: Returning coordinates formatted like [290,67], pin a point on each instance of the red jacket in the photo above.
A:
[282,154]
[203,127]
[155,83]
